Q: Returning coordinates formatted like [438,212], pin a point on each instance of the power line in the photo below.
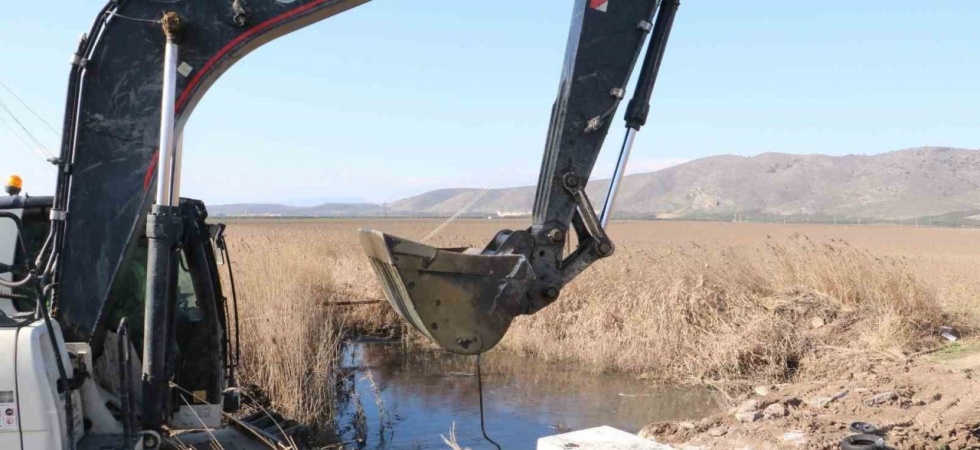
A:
[21,138]
[458,213]
[22,102]
[40,146]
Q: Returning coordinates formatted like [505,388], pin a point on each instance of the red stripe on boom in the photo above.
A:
[149,171]
[185,95]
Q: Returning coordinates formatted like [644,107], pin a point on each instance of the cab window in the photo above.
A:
[35,221]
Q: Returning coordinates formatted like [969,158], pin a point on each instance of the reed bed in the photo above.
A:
[694,314]
[678,303]
[289,334]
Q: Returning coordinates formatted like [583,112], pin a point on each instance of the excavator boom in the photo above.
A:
[112,126]
[108,157]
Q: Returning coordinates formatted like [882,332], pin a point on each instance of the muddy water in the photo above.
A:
[422,394]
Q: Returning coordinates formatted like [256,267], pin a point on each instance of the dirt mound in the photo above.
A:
[927,403]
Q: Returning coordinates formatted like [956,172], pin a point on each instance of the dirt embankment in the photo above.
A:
[931,401]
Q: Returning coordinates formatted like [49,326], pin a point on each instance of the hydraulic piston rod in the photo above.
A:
[167,162]
[624,156]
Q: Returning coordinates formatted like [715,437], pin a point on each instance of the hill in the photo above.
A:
[938,182]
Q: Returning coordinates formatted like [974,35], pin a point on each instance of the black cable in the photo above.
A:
[479,384]
[22,102]
[37,142]
[234,299]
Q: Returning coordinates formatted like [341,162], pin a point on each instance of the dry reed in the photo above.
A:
[451,440]
[290,340]
[694,314]
[703,312]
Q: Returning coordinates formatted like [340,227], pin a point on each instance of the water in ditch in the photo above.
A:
[409,399]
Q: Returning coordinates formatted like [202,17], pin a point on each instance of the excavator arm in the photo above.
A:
[465,299]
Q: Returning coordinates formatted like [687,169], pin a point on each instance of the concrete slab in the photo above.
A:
[606,438]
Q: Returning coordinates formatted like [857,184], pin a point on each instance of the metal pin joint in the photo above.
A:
[173,27]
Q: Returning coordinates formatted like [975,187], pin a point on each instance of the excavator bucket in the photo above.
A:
[461,299]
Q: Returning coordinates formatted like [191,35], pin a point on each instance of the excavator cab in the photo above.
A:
[202,328]
[204,331]
[204,355]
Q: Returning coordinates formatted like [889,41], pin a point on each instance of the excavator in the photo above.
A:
[115,332]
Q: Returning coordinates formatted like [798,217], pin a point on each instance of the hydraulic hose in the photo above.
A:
[234,299]
[18,283]
[86,45]
[44,249]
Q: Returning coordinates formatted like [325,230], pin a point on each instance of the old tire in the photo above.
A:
[863,428]
[862,442]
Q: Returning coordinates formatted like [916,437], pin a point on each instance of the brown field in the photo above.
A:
[689,302]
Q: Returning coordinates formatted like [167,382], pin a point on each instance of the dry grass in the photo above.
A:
[290,340]
[689,313]
[679,302]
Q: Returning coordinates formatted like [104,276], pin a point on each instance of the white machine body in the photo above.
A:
[32,411]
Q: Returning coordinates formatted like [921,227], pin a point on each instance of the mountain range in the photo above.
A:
[930,182]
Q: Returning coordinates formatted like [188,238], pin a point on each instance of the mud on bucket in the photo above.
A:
[462,299]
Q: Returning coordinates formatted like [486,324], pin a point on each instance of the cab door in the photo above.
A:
[200,326]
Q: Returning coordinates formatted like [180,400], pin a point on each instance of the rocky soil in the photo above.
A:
[931,401]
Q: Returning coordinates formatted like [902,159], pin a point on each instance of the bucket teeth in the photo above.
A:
[462,300]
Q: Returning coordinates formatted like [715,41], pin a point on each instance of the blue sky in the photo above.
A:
[396,97]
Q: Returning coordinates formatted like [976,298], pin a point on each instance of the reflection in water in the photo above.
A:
[424,393]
